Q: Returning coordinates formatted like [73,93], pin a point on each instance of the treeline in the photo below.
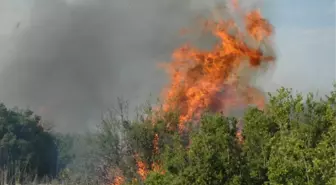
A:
[291,141]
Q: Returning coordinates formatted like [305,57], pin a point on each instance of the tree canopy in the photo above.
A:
[25,145]
[291,141]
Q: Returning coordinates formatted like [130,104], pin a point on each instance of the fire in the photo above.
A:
[156,165]
[118,180]
[156,144]
[142,168]
[217,80]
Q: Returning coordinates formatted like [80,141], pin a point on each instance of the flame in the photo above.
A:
[142,168]
[216,80]
[119,180]
[156,144]
[239,135]
[156,166]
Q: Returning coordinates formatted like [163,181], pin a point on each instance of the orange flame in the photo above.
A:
[215,80]
[156,144]
[118,180]
[156,167]
[142,168]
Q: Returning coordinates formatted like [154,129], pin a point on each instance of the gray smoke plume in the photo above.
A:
[74,59]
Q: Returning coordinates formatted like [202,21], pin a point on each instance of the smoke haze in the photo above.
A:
[70,61]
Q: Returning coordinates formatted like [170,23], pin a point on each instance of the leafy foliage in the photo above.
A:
[64,144]
[25,144]
[292,141]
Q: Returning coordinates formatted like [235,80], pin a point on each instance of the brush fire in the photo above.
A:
[219,79]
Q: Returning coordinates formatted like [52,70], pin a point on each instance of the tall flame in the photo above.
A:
[218,80]
[142,167]
[215,80]
[156,144]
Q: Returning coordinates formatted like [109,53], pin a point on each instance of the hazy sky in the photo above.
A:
[304,38]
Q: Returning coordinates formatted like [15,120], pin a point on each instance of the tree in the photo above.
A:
[25,146]
[212,158]
[65,144]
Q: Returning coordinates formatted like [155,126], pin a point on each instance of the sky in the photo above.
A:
[304,44]
[305,39]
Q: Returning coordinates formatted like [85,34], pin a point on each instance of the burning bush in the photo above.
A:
[190,139]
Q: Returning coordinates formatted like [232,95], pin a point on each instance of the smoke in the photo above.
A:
[72,60]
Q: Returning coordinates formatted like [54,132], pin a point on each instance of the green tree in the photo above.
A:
[291,141]
[25,146]
[213,156]
[65,144]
